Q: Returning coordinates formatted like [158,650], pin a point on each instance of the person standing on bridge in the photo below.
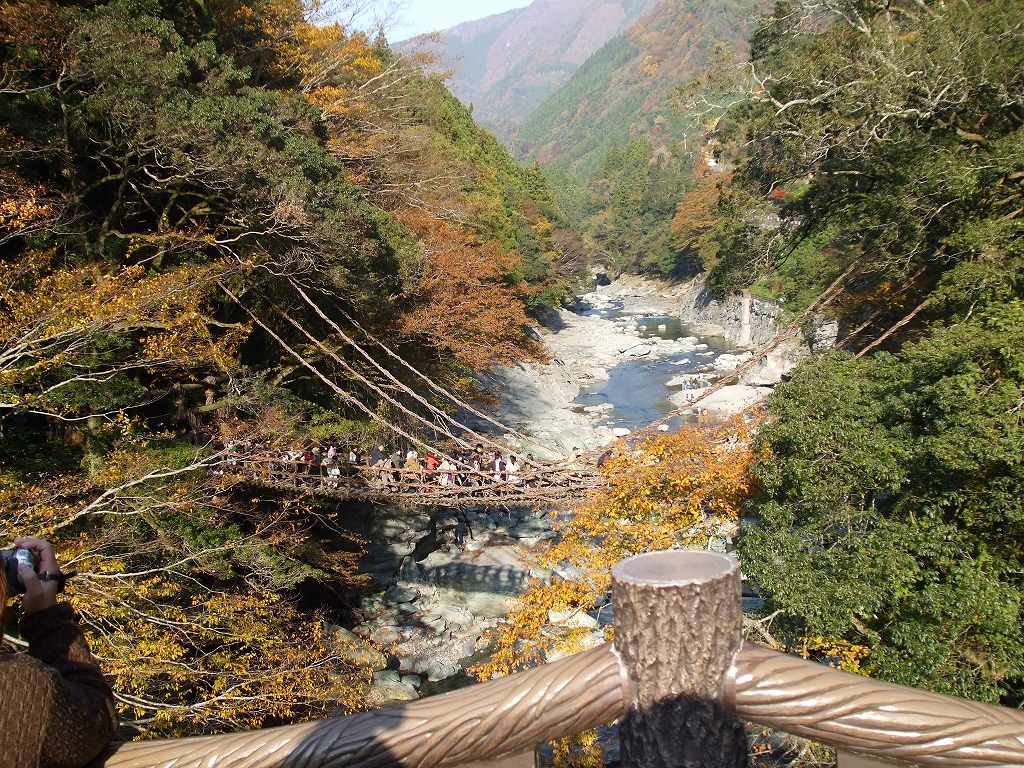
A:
[513,468]
[446,468]
[412,469]
[497,465]
[432,463]
[476,467]
[396,462]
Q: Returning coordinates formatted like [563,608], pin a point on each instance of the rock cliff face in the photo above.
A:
[744,320]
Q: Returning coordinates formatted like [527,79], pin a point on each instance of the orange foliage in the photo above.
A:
[463,303]
[696,213]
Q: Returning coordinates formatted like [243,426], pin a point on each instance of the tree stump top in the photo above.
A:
[674,568]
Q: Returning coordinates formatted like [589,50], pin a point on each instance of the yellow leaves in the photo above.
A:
[329,56]
[47,302]
[668,492]
[86,322]
[23,211]
[849,657]
[650,66]
[582,750]
[294,41]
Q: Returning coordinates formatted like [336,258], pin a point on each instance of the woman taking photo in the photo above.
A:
[56,709]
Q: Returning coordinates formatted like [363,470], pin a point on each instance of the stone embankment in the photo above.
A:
[745,321]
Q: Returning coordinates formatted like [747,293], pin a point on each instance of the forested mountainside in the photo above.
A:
[618,153]
[507,64]
[885,149]
[199,204]
[210,211]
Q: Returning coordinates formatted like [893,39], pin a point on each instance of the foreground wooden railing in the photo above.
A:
[678,678]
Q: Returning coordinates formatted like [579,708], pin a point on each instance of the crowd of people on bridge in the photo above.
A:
[398,470]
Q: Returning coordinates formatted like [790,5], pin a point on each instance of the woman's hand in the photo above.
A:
[38,594]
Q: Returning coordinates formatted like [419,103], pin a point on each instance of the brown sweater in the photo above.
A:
[56,709]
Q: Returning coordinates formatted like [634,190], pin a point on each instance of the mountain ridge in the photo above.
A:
[623,89]
[507,64]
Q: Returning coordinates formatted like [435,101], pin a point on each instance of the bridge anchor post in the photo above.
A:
[678,621]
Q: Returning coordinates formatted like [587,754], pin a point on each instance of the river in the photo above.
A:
[636,388]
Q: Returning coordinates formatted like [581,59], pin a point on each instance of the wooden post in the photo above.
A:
[678,621]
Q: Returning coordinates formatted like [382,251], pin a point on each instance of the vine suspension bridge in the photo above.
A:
[459,482]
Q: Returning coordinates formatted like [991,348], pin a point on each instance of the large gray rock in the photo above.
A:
[435,621]
[528,529]
[437,671]
[397,594]
[455,614]
[389,686]
[776,364]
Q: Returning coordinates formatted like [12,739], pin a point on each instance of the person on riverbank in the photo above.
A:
[58,709]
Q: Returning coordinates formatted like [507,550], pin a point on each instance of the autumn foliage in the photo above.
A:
[190,196]
[668,492]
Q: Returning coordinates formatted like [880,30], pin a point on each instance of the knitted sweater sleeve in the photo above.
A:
[76,702]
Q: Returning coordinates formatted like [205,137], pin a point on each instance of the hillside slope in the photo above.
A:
[622,90]
[508,64]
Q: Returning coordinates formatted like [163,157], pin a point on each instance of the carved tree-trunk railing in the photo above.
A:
[677,678]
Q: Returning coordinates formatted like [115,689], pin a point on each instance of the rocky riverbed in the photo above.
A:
[442,578]
[630,324]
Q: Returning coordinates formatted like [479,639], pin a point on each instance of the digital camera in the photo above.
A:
[11,559]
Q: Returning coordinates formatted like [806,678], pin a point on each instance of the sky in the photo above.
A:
[418,16]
